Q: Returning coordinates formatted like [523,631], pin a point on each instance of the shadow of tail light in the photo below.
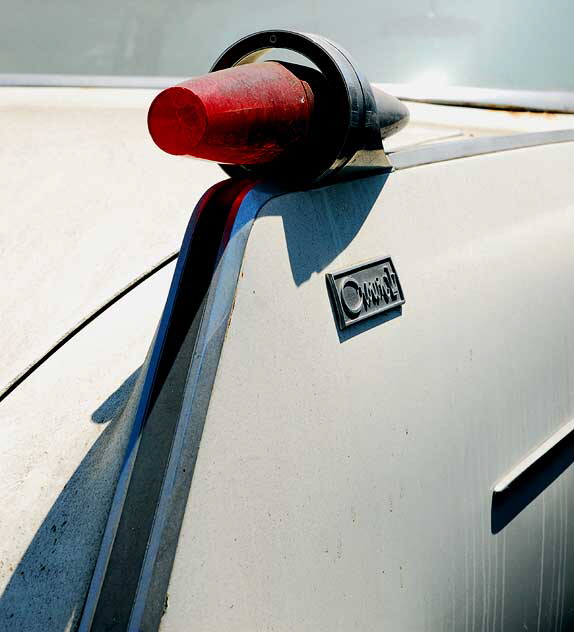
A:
[279,119]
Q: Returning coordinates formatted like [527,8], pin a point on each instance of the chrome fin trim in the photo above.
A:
[146,606]
[154,579]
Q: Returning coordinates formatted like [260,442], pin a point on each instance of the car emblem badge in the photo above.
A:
[365,290]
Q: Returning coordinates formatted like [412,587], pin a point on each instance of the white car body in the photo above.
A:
[343,480]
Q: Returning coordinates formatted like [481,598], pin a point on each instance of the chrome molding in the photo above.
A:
[86,81]
[521,100]
[148,605]
[452,150]
[150,367]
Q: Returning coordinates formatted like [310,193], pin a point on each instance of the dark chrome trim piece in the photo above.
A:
[348,132]
[452,150]
[13,384]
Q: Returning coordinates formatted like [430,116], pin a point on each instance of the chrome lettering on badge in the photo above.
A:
[365,290]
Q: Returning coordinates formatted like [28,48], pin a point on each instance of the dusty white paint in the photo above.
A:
[309,501]
[87,203]
[346,482]
[62,439]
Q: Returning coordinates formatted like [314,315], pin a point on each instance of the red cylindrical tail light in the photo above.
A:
[297,123]
[249,114]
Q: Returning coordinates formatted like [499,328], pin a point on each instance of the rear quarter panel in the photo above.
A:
[344,480]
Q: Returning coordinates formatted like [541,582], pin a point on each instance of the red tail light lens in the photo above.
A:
[248,114]
[298,123]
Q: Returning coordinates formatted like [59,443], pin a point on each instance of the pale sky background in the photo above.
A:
[515,44]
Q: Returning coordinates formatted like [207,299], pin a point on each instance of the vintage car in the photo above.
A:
[330,390]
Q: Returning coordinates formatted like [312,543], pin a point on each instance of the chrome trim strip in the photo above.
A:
[520,100]
[122,485]
[452,150]
[533,458]
[86,81]
[170,504]
[201,376]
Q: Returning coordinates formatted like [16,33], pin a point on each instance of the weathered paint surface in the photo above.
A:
[344,480]
[62,440]
[87,203]
[318,501]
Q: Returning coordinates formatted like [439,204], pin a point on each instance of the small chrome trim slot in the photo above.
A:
[513,493]
[533,458]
